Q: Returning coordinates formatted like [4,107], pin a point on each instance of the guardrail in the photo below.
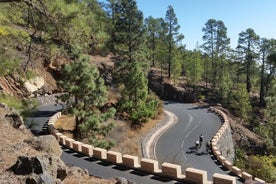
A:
[223,161]
[169,170]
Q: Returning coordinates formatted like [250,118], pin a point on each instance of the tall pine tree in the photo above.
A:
[135,97]
[216,44]
[84,95]
[173,35]
[128,29]
[247,47]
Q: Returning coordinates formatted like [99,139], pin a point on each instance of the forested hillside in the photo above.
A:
[35,34]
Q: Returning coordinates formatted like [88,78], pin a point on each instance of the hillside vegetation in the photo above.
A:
[56,40]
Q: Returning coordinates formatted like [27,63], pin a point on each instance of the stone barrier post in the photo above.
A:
[223,179]
[150,165]
[172,170]
[131,161]
[196,175]
[114,157]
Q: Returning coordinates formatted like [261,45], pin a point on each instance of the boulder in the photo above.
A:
[121,180]
[61,170]
[48,168]
[46,143]
[77,172]
[27,165]
[34,84]
[15,119]
[44,178]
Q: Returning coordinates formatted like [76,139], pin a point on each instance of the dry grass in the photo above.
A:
[66,123]
[86,179]
[128,140]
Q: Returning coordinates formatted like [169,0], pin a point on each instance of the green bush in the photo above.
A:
[239,102]
[240,158]
[12,101]
[8,67]
[262,167]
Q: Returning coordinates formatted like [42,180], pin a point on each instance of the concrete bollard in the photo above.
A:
[246,176]
[51,122]
[228,165]
[196,175]
[221,131]
[58,114]
[225,125]
[221,159]
[69,142]
[57,136]
[172,170]
[150,165]
[237,171]
[131,161]
[213,143]
[77,146]
[62,139]
[114,157]
[87,150]
[217,153]
[223,179]
[99,153]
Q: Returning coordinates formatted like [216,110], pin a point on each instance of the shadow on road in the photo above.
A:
[38,113]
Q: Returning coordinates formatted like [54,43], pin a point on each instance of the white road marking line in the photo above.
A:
[183,141]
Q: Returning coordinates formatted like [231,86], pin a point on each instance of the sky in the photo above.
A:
[237,15]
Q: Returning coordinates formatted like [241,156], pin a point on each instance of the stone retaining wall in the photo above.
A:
[146,165]
[219,146]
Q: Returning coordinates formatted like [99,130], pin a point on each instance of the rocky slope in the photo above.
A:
[28,159]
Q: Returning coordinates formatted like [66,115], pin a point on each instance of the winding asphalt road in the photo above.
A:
[98,168]
[171,145]
[175,144]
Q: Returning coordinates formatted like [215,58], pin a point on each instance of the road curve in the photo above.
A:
[188,115]
[175,143]
[95,167]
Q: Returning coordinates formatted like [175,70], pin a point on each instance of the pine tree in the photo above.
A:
[194,68]
[247,45]
[271,113]
[84,95]
[239,102]
[135,97]
[154,29]
[128,29]
[215,46]
[173,35]
[267,48]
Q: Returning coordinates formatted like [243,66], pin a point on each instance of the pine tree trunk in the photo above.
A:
[262,92]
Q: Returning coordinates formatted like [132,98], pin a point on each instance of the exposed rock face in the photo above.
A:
[35,160]
[41,169]
[27,165]
[34,84]
[46,143]
[246,139]
[15,119]
[40,179]
[168,91]
[11,85]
